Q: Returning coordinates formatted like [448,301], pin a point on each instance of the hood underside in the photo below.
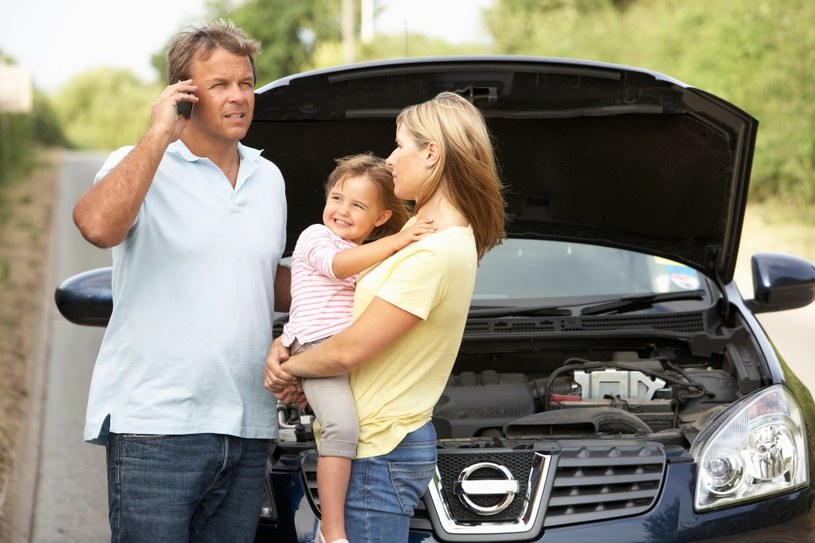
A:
[589,152]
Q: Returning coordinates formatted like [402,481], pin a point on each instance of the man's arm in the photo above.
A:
[107,210]
[282,289]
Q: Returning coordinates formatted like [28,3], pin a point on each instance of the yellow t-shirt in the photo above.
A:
[396,391]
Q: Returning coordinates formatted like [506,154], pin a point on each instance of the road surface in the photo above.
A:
[71,499]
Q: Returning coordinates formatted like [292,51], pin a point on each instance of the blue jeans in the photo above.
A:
[174,489]
[384,489]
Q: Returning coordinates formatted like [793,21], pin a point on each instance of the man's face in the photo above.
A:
[226,93]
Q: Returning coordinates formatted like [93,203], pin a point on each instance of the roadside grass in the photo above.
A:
[25,228]
[780,228]
[770,227]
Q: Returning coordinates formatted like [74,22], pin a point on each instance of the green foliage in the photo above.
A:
[21,138]
[16,135]
[44,123]
[289,32]
[759,55]
[105,108]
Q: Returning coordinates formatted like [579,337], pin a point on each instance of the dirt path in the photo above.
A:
[25,237]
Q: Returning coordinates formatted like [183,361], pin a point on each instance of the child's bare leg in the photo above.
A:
[333,475]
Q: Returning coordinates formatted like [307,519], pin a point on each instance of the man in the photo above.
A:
[196,221]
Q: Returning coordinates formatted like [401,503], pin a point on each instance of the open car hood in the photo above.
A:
[589,152]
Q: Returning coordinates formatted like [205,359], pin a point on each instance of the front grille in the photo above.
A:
[308,461]
[601,482]
[451,464]
[573,485]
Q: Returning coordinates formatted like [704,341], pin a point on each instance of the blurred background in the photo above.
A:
[82,60]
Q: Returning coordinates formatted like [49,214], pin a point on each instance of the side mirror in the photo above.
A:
[86,298]
[781,282]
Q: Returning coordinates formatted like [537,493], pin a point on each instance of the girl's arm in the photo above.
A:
[358,259]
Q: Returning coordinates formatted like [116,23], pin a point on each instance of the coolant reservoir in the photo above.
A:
[617,384]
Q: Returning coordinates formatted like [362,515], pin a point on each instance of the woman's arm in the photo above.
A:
[366,337]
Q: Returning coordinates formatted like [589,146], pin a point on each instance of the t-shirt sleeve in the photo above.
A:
[317,247]
[416,285]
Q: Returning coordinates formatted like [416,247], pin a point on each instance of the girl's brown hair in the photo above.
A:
[375,169]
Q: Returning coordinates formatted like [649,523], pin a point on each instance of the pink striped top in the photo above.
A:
[321,304]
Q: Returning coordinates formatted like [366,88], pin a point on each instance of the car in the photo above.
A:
[612,384]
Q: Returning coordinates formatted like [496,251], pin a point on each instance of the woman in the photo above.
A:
[410,313]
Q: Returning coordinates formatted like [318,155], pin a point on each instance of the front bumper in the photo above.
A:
[670,518]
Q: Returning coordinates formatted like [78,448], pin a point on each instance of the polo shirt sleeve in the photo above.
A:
[417,284]
[112,161]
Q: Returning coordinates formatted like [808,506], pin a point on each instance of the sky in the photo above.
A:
[56,40]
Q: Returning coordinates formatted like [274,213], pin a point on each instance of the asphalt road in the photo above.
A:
[71,499]
[71,502]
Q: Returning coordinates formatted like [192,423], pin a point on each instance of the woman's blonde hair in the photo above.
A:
[375,169]
[466,171]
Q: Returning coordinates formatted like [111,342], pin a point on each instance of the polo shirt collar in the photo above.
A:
[248,155]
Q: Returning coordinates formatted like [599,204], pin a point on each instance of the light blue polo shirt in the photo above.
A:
[193,303]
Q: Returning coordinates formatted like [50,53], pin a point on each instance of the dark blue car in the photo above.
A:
[612,385]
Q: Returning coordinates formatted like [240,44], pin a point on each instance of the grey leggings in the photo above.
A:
[333,404]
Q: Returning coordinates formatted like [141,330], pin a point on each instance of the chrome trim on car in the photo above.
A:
[532,496]
[468,485]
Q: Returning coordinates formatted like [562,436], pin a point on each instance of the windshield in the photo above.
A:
[537,269]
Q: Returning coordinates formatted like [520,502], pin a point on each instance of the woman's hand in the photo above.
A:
[285,386]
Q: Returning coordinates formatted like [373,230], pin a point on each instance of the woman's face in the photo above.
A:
[408,164]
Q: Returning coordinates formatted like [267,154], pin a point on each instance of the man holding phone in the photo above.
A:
[196,222]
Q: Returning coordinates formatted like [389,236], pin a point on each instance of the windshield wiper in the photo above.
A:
[519,311]
[640,301]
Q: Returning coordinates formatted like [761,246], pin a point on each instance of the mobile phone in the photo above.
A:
[184,108]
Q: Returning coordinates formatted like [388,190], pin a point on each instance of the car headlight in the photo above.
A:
[758,449]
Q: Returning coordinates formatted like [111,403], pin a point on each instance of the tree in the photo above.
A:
[757,55]
[288,31]
[20,133]
[105,108]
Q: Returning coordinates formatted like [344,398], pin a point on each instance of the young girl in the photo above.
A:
[327,260]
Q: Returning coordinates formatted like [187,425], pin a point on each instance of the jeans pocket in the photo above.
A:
[410,480]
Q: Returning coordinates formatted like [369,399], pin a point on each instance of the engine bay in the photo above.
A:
[659,386]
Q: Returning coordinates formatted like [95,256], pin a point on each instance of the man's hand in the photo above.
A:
[165,116]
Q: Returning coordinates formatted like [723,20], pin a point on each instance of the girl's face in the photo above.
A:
[408,164]
[354,208]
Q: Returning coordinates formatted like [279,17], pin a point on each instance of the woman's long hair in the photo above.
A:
[466,171]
